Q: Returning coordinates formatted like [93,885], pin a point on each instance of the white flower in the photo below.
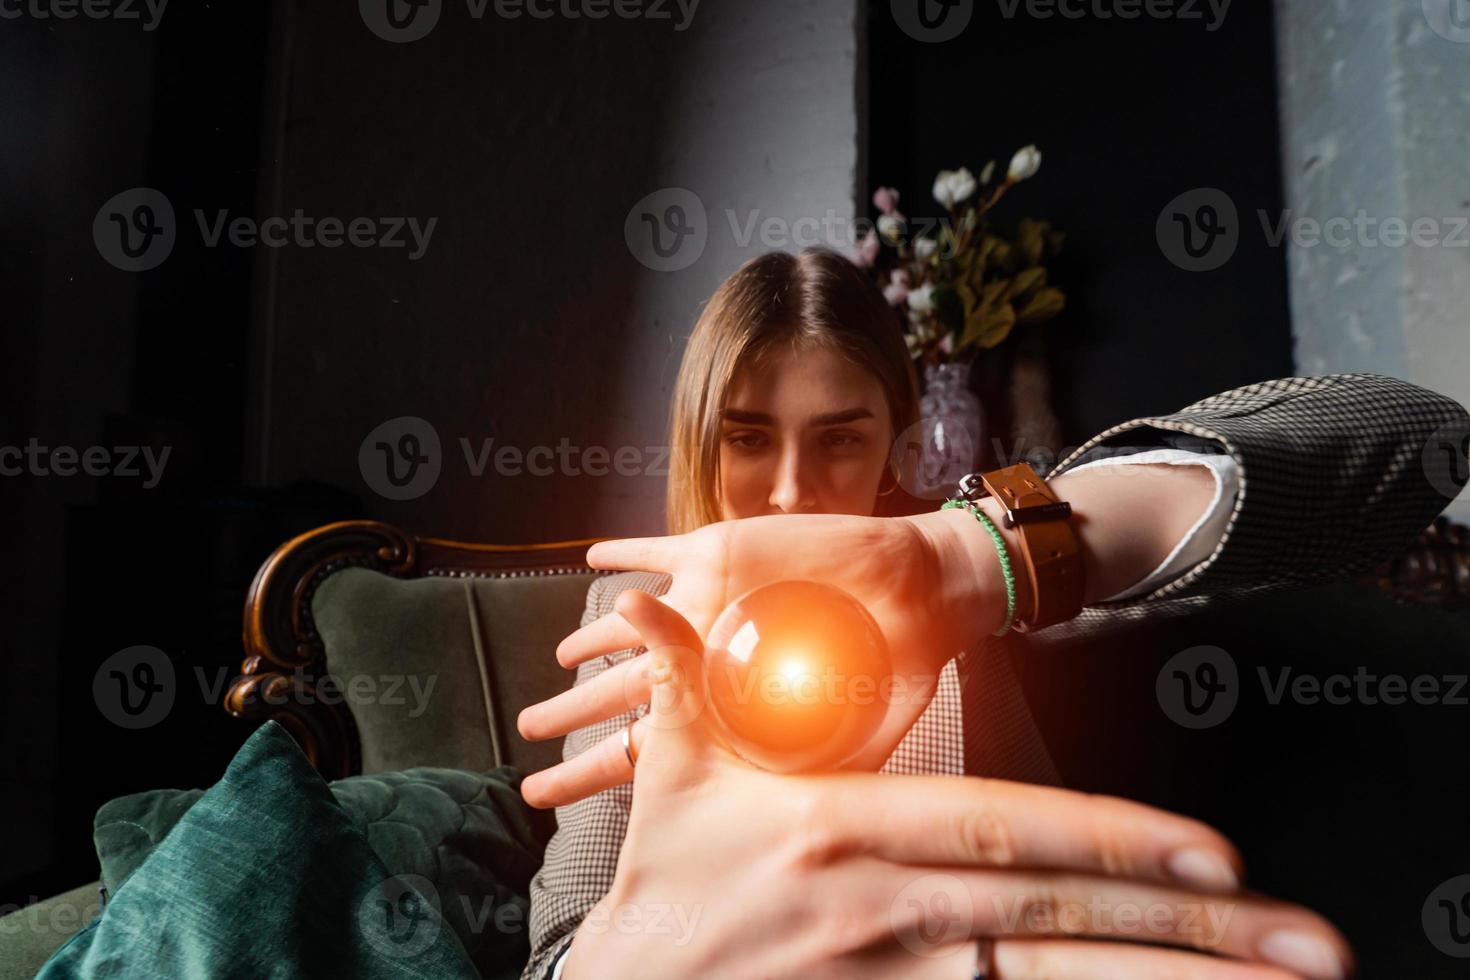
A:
[988,172]
[924,247]
[953,186]
[891,226]
[1025,163]
[921,300]
[897,290]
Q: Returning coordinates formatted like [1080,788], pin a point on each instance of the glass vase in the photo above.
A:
[943,446]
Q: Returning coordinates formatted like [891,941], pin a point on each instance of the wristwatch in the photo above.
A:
[1051,559]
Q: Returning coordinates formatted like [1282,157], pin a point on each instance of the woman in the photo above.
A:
[794,386]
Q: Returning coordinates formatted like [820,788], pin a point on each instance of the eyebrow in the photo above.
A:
[744,417]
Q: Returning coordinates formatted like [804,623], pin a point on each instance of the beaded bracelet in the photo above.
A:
[1001,553]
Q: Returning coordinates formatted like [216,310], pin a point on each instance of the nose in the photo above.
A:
[792,493]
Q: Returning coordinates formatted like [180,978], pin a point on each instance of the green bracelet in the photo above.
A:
[1001,553]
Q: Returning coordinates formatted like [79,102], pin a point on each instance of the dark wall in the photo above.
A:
[101,357]
[1128,115]
[525,141]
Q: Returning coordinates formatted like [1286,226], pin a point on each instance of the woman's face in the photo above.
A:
[803,432]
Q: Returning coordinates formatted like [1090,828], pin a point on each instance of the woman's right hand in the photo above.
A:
[727,870]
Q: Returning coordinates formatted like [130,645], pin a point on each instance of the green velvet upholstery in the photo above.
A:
[467,833]
[444,665]
[267,875]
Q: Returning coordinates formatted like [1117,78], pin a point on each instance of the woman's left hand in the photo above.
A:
[931,597]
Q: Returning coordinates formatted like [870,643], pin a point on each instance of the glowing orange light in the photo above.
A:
[793,670]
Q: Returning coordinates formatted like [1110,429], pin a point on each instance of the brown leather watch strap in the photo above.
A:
[1051,559]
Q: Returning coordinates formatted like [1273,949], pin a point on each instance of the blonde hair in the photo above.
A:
[815,299]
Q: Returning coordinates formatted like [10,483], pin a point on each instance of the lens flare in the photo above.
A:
[797,672]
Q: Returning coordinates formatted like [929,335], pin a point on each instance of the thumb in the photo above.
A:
[678,740]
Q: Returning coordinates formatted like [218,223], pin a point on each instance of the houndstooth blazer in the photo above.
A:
[1337,473]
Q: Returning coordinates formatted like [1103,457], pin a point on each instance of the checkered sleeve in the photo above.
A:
[1336,474]
[582,856]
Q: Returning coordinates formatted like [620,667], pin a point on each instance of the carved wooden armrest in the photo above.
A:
[285,656]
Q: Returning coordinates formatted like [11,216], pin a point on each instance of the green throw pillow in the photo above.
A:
[273,872]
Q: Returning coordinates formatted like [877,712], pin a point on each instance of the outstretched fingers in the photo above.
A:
[619,689]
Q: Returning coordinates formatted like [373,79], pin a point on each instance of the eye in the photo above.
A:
[748,441]
[842,439]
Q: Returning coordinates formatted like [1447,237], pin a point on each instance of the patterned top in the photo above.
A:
[1336,474]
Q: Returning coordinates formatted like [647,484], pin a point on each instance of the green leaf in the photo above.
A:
[1043,306]
[1026,281]
[988,327]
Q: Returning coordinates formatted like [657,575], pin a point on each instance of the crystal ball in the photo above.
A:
[797,673]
